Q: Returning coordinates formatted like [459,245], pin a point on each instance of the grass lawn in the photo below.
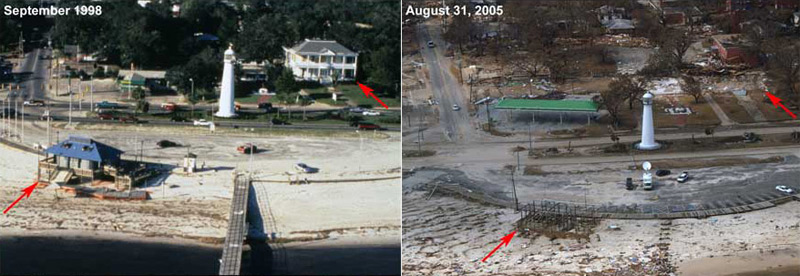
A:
[250,99]
[771,112]
[730,105]
[353,93]
[702,114]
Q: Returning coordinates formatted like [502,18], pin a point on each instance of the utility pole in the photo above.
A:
[8,116]
[16,116]
[22,136]
[530,137]
[58,76]
[3,119]
[80,94]
[419,139]
[91,92]
[192,97]
[488,116]
[49,142]
[20,46]
[514,189]
[70,105]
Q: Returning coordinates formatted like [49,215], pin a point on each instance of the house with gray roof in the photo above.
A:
[321,60]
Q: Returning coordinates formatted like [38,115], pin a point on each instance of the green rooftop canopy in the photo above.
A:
[548,105]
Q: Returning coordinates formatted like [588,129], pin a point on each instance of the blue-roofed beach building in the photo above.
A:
[84,159]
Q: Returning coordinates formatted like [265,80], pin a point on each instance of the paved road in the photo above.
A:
[228,124]
[445,87]
[492,153]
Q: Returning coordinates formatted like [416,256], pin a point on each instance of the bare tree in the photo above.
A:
[785,64]
[676,42]
[459,31]
[693,88]
[631,88]
[612,101]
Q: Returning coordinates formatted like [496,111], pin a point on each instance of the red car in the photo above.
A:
[106,116]
[367,126]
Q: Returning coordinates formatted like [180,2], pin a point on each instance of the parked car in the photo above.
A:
[166,144]
[357,109]
[431,44]
[785,189]
[371,113]
[305,168]
[178,119]
[456,107]
[683,177]
[247,148]
[629,184]
[106,116]
[202,122]
[663,172]
[280,122]
[368,126]
[107,105]
[169,106]
[267,107]
[34,103]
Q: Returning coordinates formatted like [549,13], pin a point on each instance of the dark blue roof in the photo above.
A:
[85,149]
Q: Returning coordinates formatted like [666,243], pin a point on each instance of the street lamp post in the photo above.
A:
[2,119]
[22,136]
[91,91]
[191,99]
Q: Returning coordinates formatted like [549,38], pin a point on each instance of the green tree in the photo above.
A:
[286,84]
[138,94]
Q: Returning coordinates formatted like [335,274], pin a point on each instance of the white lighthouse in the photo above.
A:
[226,105]
[648,137]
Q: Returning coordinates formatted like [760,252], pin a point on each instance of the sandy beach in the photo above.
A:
[445,235]
[360,217]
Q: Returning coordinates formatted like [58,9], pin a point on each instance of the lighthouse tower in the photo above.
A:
[226,105]
[648,136]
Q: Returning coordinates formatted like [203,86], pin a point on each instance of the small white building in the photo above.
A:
[321,61]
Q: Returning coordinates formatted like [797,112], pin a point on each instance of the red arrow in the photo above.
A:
[25,193]
[368,92]
[504,241]
[777,102]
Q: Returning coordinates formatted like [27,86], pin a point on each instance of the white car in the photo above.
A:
[371,113]
[305,168]
[33,103]
[683,177]
[456,107]
[431,44]
[784,189]
[202,122]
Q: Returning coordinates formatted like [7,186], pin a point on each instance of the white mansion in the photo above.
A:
[321,60]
